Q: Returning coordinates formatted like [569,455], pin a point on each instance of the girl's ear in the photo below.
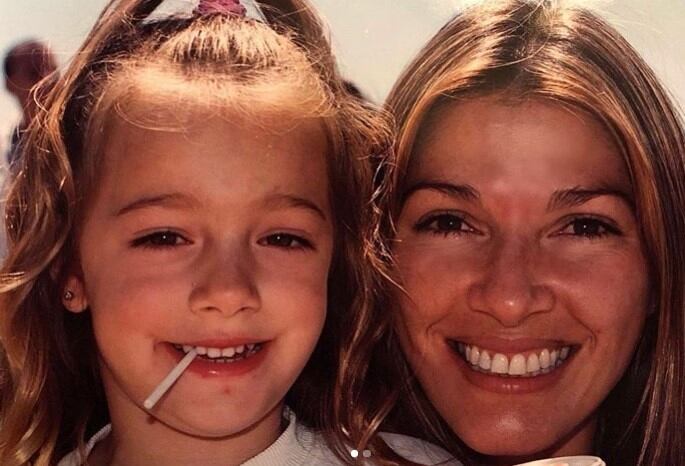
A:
[74,294]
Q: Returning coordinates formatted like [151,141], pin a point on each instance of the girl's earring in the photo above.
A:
[68,295]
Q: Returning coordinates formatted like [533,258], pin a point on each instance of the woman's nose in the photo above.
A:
[225,281]
[510,287]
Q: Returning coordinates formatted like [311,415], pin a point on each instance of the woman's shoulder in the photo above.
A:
[410,448]
[418,451]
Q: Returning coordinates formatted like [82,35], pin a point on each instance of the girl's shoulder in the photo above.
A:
[300,446]
[418,451]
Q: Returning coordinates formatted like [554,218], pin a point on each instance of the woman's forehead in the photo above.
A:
[489,142]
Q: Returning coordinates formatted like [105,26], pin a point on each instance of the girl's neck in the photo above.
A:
[139,440]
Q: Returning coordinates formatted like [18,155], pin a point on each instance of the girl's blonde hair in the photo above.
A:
[550,50]
[51,397]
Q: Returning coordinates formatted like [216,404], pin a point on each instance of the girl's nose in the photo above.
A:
[225,282]
[510,288]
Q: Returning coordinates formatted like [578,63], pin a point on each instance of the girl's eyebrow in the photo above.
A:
[160,200]
[290,200]
[459,191]
[578,195]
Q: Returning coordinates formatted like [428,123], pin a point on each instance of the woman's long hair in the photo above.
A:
[51,397]
[545,49]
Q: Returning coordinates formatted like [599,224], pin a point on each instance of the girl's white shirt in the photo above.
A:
[300,446]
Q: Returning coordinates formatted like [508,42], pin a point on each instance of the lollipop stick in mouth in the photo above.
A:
[169,380]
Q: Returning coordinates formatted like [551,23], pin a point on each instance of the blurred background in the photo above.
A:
[374,39]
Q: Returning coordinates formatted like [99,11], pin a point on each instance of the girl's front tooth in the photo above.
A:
[484,361]
[475,356]
[213,352]
[201,350]
[228,352]
[517,366]
[500,364]
[544,358]
[533,363]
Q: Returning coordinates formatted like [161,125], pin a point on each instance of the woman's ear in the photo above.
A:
[74,294]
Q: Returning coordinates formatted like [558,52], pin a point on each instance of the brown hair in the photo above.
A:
[544,49]
[33,55]
[51,397]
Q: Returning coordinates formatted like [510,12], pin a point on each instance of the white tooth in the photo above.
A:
[214,352]
[544,358]
[517,366]
[475,356]
[240,349]
[500,364]
[554,355]
[250,347]
[228,352]
[533,363]
[201,350]
[564,352]
[187,348]
[484,361]
[468,353]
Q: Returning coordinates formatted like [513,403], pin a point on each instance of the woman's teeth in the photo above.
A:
[518,365]
[222,355]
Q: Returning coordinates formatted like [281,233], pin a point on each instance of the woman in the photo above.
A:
[535,203]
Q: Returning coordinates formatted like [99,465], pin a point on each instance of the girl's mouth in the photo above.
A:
[526,364]
[227,355]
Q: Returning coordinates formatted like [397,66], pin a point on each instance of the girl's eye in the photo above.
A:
[160,239]
[589,227]
[444,224]
[286,241]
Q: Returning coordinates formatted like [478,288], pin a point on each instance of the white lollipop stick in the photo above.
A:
[169,380]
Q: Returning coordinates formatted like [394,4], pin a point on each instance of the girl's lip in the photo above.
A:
[208,369]
[221,342]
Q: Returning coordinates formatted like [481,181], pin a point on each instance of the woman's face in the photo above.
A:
[526,282]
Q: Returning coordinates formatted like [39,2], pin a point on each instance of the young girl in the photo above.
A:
[189,221]
[537,195]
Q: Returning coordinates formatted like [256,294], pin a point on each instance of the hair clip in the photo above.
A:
[225,7]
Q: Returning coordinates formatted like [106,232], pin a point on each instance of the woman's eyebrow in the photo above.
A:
[459,191]
[573,197]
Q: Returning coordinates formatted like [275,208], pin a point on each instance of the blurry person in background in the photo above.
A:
[25,65]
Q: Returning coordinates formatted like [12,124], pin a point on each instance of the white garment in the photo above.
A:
[299,446]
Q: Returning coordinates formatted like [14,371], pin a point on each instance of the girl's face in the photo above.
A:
[526,283]
[217,237]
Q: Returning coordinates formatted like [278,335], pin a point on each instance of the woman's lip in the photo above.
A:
[509,385]
[512,346]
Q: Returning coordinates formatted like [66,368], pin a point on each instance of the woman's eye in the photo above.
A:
[160,239]
[589,227]
[444,224]
[286,241]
